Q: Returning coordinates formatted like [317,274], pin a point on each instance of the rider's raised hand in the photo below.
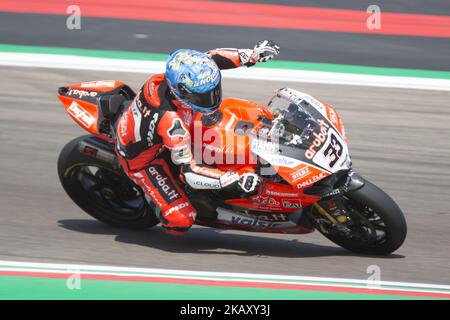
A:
[263,51]
[249,182]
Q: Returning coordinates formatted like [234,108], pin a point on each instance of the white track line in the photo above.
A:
[139,66]
[220,276]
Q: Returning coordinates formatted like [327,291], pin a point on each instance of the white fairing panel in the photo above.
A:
[329,151]
[333,156]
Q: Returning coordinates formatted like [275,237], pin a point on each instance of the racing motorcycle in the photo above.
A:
[296,143]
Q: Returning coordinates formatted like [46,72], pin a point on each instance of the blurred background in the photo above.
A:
[398,138]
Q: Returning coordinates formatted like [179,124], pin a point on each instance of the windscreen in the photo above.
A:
[293,124]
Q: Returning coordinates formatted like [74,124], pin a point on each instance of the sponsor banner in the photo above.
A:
[275,220]
[98,84]
[282,194]
[163,183]
[80,114]
[81,93]
[300,173]
[310,181]
[291,204]
[200,182]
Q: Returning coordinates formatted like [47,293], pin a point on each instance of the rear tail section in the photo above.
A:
[94,105]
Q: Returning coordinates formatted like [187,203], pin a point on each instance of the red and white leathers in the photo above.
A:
[155,121]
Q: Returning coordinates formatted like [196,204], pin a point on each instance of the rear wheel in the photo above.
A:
[374,222]
[102,191]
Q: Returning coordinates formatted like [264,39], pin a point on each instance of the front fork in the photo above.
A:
[331,216]
[331,206]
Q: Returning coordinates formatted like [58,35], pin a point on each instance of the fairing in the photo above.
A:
[88,103]
[306,141]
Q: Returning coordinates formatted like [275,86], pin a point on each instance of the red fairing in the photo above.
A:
[81,102]
[84,113]
[97,86]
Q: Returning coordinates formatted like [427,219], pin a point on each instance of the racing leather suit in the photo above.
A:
[156,121]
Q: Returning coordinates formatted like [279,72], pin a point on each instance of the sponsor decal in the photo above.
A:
[273,217]
[207,172]
[332,193]
[123,125]
[154,197]
[269,220]
[282,161]
[207,184]
[81,93]
[98,84]
[253,222]
[302,172]
[319,139]
[297,97]
[312,180]
[176,208]
[333,116]
[160,179]
[281,194]
[264,146]
[206,77]
[228,178]
[151,129]
[291,204]
[143,109]
[79,113]
[200,182]
[271,202]
[150,189]
[334,151]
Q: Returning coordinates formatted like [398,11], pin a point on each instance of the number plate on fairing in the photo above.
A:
[333,155]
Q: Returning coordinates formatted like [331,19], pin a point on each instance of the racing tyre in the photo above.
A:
[100,189]
[378,225]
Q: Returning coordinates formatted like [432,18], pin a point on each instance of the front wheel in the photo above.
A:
[101,190]
[370,222]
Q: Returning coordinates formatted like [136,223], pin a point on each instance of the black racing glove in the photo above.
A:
[249,182]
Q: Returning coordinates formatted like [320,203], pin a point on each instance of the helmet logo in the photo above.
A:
[206,77]
[203,78]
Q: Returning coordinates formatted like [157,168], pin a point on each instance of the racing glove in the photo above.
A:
[249,182]
[246,183]
[263,51]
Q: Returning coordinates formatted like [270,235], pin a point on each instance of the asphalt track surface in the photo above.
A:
[165,37]
[398,139]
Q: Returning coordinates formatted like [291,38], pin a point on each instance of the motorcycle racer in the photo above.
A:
[160,118]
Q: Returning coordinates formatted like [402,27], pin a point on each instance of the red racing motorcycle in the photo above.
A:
[296,143]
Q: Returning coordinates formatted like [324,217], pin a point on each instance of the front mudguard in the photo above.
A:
[354,183]
[326,191]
